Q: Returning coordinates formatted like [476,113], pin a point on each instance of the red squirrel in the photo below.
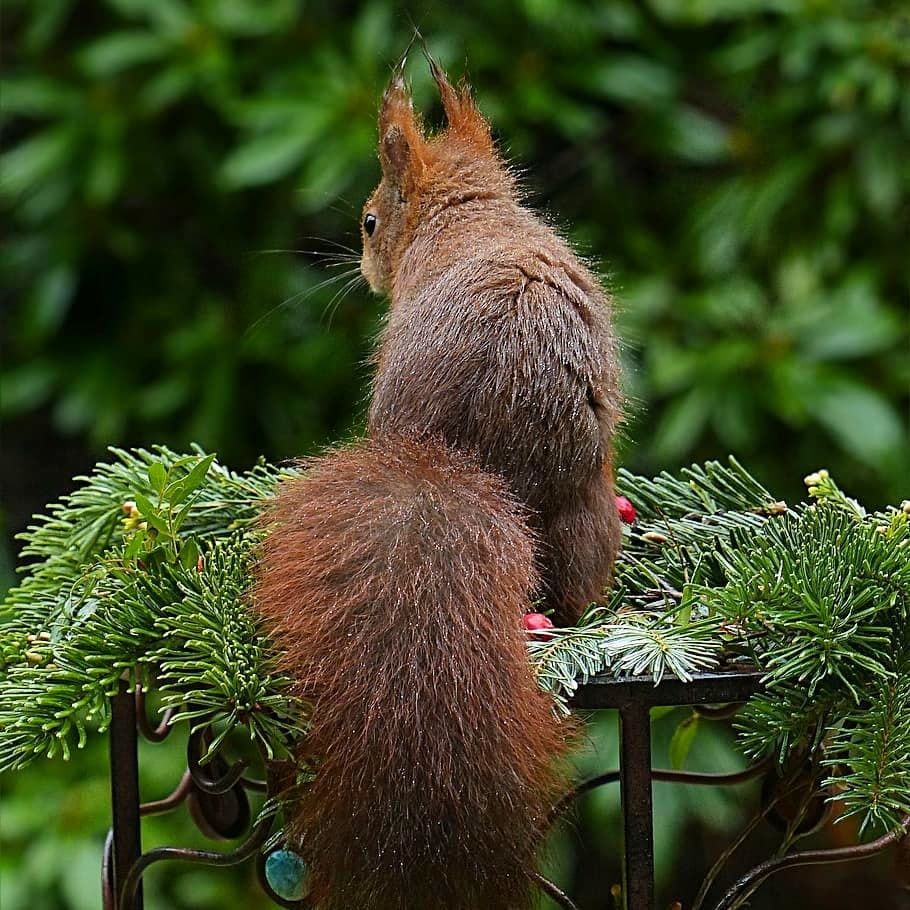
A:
[396,570]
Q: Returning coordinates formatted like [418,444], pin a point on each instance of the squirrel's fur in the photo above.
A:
[396,571]
[397,584]
[498,340]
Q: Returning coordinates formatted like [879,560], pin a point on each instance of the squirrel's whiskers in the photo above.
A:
[350,261]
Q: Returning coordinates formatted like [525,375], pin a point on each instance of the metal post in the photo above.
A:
[125,828]
[637,813]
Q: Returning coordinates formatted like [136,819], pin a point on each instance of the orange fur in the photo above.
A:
[395,576]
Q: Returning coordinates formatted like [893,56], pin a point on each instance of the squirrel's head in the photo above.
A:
[423,175]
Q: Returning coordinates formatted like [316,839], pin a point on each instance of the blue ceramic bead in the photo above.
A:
[286,873]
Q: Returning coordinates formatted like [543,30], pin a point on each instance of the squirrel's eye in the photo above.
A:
[369,224]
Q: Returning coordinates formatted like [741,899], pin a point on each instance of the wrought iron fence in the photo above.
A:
[217,795]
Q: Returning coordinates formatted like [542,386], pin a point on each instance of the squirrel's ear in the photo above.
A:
[464,119]
[400,139]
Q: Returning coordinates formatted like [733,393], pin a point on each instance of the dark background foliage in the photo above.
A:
[176,177]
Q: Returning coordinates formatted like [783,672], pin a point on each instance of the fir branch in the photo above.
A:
[873,745]
[699,490]
[144,570]
[630,643]
[214,657]
[815,590]
[123,590]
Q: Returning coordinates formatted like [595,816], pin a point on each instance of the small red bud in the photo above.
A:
[626,510]
[536,622]
[200,565]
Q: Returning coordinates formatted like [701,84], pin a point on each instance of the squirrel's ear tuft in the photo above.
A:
[464,119]
[401,143]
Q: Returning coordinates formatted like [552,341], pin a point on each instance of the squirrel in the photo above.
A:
[395,571]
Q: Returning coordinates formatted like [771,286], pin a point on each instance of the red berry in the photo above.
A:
[535,622]
[626,510]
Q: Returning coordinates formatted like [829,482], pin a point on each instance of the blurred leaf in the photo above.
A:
[165,89]
[106,173]
[167,16]
[35,96]
[328,171]
[48,303]
[860,419]
[118,51]
[630,78]
[46,23]
[81,883]
[269,157]
[717,226]
[745,52]
[681,424]
[372,32]
[736,414]
[694,135]
[855,323]
[26,387]
[682,739]
[773,191]
[670,368]
[160,399]
[25,166]
[253,17]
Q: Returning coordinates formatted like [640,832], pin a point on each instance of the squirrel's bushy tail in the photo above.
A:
[394,576]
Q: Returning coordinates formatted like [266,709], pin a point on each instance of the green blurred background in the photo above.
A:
[176,177]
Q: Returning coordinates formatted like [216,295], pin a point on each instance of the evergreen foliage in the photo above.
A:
[144,571]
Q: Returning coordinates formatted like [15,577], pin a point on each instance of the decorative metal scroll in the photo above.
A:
[216,794]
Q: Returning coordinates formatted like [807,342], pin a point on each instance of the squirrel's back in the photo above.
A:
[498,340]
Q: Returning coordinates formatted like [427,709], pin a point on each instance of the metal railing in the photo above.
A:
[217,794]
